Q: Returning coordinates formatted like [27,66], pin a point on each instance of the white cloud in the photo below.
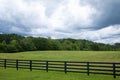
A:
[67,11]
[110,30]
[82,14]
[70,13]
[108,34]
[56,18]
[109,40]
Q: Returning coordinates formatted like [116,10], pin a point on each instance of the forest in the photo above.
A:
[10,43]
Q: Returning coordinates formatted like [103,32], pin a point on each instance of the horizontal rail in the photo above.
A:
[105,68]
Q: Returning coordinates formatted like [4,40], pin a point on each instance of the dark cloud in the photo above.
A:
[110,12]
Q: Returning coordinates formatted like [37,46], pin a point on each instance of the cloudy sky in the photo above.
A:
[94,20]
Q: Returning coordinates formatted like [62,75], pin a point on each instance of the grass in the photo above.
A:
[108,56]
[13,74]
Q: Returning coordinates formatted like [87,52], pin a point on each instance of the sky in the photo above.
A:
[94,20]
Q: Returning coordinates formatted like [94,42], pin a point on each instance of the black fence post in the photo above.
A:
[17,64]
[30,65]
[114,70]
[88,68]
[65,67]
[5,63]
[46,66]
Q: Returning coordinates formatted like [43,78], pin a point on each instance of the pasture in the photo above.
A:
[100,56]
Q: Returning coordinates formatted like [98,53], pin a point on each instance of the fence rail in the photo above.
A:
[105,68]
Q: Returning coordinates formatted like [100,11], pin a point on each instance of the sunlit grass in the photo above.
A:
[108,56]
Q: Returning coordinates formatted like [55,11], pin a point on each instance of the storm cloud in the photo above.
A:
[95,20]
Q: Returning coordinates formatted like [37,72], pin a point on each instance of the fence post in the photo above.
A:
[46,66]
[17,64]
[88,68]
[114,70]
[5,63]
[65,67]
[30,65]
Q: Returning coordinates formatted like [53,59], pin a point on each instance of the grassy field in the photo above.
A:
[12,74]
[109,56]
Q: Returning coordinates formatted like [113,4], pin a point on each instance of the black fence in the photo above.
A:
[105,68]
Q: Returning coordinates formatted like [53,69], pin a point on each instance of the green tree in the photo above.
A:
[3,46]
[14,46]
[42,43]
[28,44]
[94,47]
[67,45]
[56,45]
[117,46]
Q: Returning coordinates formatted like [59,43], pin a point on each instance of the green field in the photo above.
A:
[108,56]
[12,74]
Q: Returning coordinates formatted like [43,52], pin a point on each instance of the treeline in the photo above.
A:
[15,43]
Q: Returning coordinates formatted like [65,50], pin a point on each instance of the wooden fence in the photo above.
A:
[105,68]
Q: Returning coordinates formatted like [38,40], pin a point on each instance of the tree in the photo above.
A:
[117,46]
[42,43]
[67,45]
[56,45]
[94,47]
[14,46]
[28,44]
[17,43]
[3,46]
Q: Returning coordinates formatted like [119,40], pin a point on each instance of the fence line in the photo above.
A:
[105,68]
